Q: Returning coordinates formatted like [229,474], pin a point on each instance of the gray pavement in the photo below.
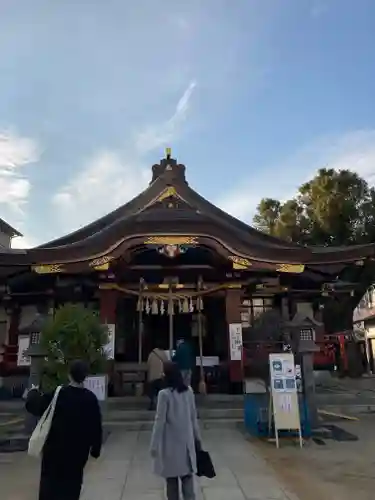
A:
[124,470]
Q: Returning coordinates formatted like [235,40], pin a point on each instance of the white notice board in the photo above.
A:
[98,385]
[235,338]
[23,345]
[110,347]
[284,393]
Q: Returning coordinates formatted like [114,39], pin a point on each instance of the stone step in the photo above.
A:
[223,423]
[14,443]
[111,414]
[210,401]
[146,415]
[133,402]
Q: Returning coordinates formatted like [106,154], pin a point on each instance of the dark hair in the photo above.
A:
[78,371]
[173,378]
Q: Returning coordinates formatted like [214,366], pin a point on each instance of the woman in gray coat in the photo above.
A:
[175,435]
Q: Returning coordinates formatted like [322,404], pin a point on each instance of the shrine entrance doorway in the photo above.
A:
[155,332]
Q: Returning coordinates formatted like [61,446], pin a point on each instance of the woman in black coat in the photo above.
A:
[75,434]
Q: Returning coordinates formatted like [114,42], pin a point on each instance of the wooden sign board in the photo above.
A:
[284,396]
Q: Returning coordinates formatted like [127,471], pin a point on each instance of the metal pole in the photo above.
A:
[202,383]
[140,322]
[170,312]
[199,301]
[200,344]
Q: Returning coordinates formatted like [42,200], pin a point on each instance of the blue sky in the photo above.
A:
[252,95]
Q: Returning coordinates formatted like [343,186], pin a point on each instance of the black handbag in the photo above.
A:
[205,467]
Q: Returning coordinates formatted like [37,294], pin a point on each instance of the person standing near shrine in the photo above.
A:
[175,435]
[184,359]
[75,434]
[155,372]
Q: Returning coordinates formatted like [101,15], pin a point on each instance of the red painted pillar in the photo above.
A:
[233,315]
[108,304]
[14,321]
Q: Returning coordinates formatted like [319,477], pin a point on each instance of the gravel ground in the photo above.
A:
[333,471]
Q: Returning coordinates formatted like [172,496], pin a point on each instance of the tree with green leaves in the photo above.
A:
[336,207]
[74,332]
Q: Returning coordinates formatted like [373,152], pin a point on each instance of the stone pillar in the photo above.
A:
[233,315]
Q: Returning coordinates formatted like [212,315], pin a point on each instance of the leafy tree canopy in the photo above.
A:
[334,208]
[74,332]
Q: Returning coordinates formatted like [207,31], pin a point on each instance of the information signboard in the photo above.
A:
[235,336]
[23,345]
[284,395]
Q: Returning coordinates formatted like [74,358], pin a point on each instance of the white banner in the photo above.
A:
[110,347]
[207,361]
[235,339]
[23,345]
[98,385]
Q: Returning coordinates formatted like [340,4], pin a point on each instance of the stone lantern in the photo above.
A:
[36,354]
[302,331]
[35,351]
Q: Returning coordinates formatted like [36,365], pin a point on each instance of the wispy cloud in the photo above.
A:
[156,136]
[106,181]
[119,85]
[16,152]
[354,151]
[109,179]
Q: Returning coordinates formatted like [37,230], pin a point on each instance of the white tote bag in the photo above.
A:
[41,431]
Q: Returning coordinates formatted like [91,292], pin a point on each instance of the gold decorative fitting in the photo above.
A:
[169,192]
[239,262]
[103,267]
[48,268]
[290,268]
[171,240]
[165,286]
[101,263]
[234,285]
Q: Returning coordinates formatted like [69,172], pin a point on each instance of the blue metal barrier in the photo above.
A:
[256,408]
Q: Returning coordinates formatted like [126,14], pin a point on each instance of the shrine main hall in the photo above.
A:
[170,264]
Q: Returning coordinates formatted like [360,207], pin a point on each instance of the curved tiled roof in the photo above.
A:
[145,214]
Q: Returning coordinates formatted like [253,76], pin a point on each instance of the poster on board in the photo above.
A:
[23,345]
[235,338]
[98,385]
[284,396]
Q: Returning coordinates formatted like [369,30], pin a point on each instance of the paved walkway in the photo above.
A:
[124,470]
